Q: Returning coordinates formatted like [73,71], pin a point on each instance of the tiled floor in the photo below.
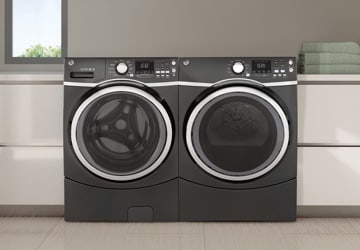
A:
[53,233]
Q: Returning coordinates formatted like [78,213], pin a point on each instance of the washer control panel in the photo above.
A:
[272,68]
[157,69]
[93,70]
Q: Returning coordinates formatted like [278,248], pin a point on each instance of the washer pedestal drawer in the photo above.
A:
[89,203]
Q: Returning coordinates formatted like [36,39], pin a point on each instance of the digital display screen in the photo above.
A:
[144,67]
[261,66]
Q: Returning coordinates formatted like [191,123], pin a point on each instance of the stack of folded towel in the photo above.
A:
[330,58]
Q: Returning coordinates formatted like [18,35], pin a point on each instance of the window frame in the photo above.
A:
[10,59]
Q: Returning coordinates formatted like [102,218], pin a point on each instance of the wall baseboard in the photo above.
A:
[32,210]
[328,211]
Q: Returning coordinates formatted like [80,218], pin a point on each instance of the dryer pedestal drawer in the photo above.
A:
[31,176]
[203,203]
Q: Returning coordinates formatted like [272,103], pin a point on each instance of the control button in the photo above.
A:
[284,75]
[121,68]
[167,76]
[167,72]
[157,71]
[291,62]
[291,69]
[279,75]
[173,62]
[276,71]
[157,75]
[173,70]
[162,75]
[274,75]
[162,71]
[131,75]
[71,62]
[186,62]
[282,71]
[238,67]
[247,75]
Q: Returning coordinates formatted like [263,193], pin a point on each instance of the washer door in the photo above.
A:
[121,133]
[237,133]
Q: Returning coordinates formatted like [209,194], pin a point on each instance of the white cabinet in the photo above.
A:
[329,176]
[31,115]
[329,114]
[31,159]
[31,176]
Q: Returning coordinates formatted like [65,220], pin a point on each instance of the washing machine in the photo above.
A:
[120,139]
[238,139]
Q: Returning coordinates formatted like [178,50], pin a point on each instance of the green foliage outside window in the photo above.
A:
[39,50]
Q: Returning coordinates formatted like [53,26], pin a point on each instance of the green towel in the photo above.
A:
[344,47]
[330,69]
[329,58]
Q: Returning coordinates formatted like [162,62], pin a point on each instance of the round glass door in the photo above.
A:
[237,133]
[121,133]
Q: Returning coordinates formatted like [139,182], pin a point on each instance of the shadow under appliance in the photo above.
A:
[238,139]
[120,141]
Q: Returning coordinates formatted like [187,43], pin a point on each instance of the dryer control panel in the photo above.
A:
[214,69]
[268,68]
[155,69]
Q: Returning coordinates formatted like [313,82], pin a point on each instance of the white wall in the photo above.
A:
[207,27]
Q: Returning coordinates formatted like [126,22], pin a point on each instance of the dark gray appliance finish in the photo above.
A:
[121,139]
[236,160]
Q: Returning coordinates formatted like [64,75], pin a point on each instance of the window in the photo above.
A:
[35,31]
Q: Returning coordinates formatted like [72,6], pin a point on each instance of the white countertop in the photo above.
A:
[31,77]
[329,78]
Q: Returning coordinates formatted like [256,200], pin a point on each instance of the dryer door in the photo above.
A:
[121,133]
[237,133]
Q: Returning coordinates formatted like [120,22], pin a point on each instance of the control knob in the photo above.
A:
[121,68]
[238,67]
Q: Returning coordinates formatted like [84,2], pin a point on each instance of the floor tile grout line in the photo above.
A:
[181,239]
[283,238]
[204,239]
[48,234]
